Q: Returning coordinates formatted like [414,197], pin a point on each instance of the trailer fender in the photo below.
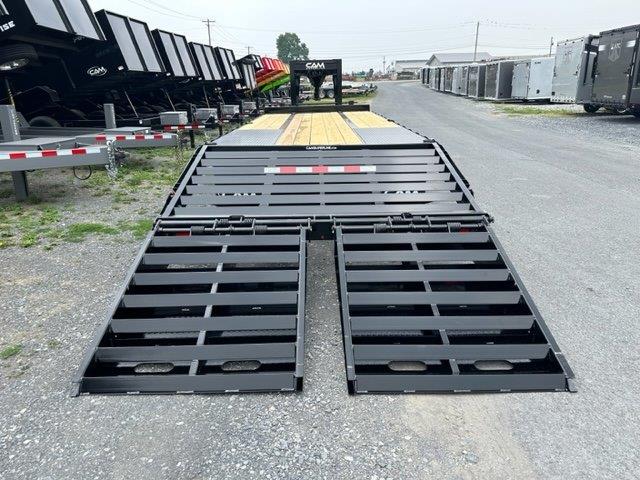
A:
[43,121]
[17,55]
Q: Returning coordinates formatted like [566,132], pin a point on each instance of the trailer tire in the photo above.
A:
[22,52]
[589,108]
[43,121]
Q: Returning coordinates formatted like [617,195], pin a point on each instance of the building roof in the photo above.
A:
[410,63]
[459,57]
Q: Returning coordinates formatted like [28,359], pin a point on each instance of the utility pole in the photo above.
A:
[551,46]
[475,49]
[384,65]
[248,50]
[209,22]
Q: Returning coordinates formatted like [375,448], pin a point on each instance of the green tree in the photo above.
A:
[291,48]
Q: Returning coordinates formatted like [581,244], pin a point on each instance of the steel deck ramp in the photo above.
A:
[436,306]
[208,306]
[299,182]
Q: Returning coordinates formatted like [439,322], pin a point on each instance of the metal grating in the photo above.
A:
[211,307]
[321,183]
[436,306]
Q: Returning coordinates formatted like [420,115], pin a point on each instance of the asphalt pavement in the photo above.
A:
[564,195]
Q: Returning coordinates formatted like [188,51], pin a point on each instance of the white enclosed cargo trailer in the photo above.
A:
[532,79]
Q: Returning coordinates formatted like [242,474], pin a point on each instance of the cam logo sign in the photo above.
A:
[97,71]
[614,51]
[314,65]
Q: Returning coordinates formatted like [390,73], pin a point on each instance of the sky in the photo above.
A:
[366,33]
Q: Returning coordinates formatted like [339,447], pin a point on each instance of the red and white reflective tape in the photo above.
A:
[322,169]
[111,138]
[48,153]
[173,128]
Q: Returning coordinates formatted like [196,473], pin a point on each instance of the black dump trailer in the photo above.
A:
[230,71]
[616,81]
[181,66]
[210,74]
[249,65]
[117,71]
[34,36]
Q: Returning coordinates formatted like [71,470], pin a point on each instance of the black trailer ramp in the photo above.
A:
[208,307]
[435,306]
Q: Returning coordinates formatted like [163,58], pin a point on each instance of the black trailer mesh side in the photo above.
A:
[206,310]
[438,307]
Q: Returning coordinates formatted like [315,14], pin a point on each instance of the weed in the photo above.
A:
[138,229]
[10,351]
[78,232]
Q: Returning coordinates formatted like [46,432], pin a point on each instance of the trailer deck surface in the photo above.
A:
[320,128]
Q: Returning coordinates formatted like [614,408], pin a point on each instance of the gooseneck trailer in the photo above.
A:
[215,300]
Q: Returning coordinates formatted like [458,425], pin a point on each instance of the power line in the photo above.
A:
[171,10]
[351,32]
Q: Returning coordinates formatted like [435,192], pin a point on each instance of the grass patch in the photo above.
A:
[138,229]
[24,224]
[10,351]
[78,232]
[530,110]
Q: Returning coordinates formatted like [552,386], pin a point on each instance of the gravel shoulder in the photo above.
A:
[566,210]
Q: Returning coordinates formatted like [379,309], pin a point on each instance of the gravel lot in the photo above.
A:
[564,192]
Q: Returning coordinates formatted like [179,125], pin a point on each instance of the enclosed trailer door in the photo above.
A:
[616,55]
[520,81]
[491,81]
[566,71]
[540,76]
